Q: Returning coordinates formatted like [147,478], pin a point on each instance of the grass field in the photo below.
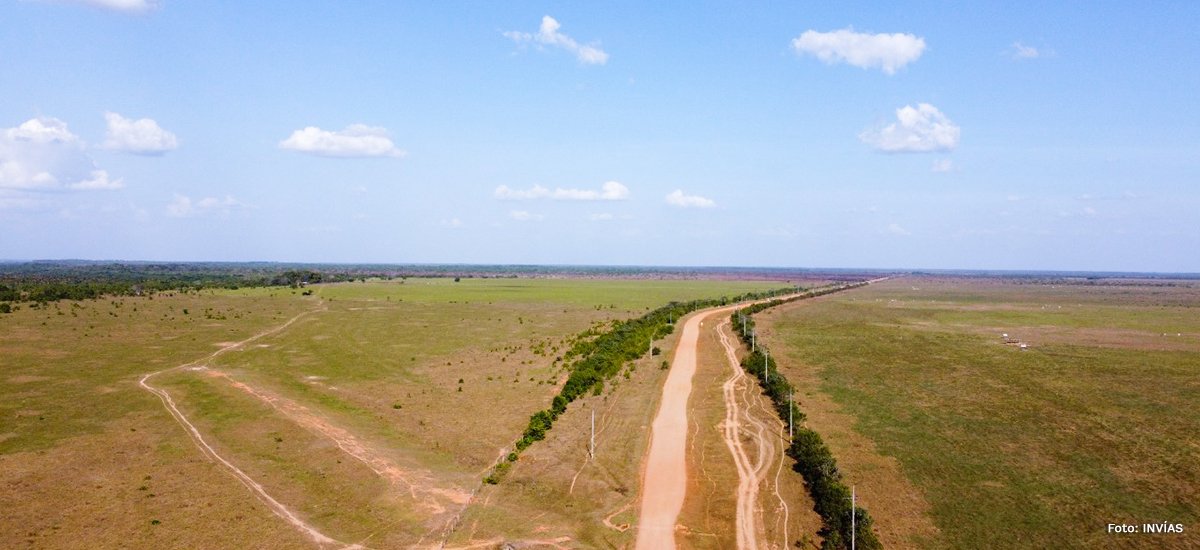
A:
[1094,423]
[372,416]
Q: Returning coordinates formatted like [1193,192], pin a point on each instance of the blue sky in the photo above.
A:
[918,135]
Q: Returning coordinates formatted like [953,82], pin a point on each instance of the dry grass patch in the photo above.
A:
[1017,449]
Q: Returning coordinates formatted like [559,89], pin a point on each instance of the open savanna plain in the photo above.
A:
[956,439]
[352,413]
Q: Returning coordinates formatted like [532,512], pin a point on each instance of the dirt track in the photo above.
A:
[754,464]
[278,508]
[664,480]
[665,477]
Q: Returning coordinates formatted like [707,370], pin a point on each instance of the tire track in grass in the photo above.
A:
[322,540]
[749,471]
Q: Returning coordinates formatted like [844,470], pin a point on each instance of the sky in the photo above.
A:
[908,135]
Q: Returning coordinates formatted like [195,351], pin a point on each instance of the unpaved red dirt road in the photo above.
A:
[664,479]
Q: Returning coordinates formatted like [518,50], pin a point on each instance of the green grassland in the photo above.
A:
[435,376]
[1094,423]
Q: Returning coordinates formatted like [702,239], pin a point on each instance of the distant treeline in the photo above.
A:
[813,458]
[48,282]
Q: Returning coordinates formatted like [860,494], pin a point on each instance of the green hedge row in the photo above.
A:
[813,459]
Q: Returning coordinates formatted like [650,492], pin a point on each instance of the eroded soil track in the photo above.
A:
[275,506]
[748,429]
[431,497]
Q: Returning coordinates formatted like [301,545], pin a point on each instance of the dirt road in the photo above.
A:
[664,480]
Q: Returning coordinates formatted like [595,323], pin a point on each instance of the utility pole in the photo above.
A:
[592,449]
[853,518]
[791,407]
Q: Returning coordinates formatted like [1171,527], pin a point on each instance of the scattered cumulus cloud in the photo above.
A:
[888,52]
[125,6]
[43,155]
[610,191]
[98,180]
[1021,51]
[600,217]
[943,165]
[140,137]
[678,199]
[1086,211]
[895,229]
[184,207]
[523,216]
[917,130]
[452,223]
[356,141]
[548,35]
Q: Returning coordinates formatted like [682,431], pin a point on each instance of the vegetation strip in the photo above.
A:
[596,357]
[814,461]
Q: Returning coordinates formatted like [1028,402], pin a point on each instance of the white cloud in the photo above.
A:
[453,223]
[535,192]
[943,165]
[917,130]
[99,180]
[521,215]
[610,191]
[357,140]
[43,155]
[140,137]
[678,199]
[1021,51]
[600,217]
[184,207]
[548,35]
[895,229]
[886,51]
[127,6]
